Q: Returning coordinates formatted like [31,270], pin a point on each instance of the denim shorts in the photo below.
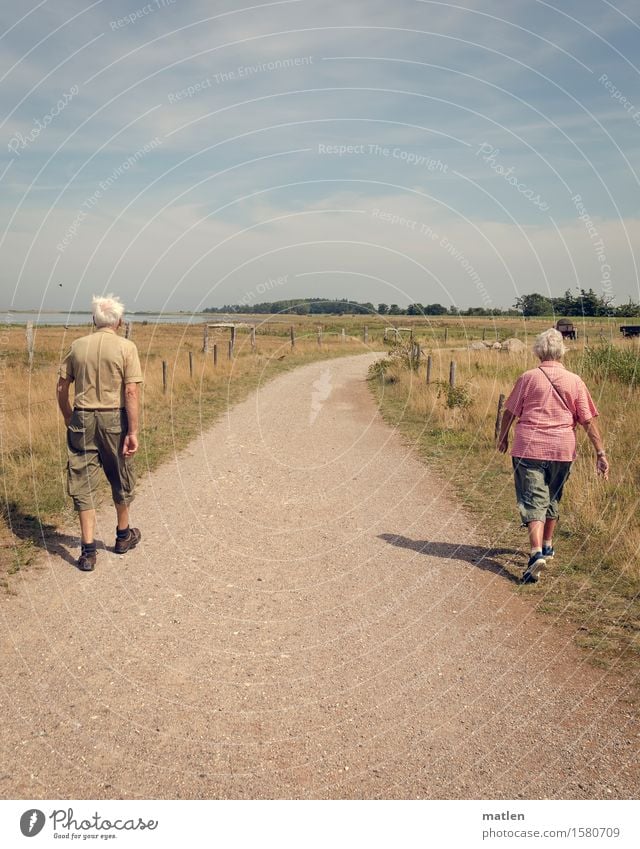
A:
[539,485]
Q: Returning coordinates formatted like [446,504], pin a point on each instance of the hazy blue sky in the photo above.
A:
[183,154]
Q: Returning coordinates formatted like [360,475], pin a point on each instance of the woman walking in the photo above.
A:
[548,402]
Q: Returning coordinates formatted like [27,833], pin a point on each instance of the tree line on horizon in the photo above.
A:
[585,303]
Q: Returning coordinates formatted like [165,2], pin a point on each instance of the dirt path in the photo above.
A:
[285,631]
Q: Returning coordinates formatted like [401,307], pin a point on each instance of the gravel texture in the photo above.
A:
[306,617]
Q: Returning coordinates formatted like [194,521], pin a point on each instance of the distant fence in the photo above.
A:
[211,350]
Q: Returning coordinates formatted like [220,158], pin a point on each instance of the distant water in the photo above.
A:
[57,318]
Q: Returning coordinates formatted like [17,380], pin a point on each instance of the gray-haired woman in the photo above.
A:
[548,402]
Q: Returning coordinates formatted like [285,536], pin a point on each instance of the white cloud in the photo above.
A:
[209,162]
[185,259]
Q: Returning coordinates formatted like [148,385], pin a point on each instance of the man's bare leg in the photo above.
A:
[123,516]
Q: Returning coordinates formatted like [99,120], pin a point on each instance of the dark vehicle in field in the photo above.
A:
[567,328]
[629,330]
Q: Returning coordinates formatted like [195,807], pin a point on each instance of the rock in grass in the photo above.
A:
[514,346]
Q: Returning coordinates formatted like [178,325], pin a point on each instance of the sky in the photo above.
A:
[185,154]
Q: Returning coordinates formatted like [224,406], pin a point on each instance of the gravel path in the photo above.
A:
[285,630]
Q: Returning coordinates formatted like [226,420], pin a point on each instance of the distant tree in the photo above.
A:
[534,304]
[629,310]
[588,303]
[478,311]
[566,305]
[591,304]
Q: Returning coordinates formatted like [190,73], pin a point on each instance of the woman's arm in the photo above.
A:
[503,439]
[602,464]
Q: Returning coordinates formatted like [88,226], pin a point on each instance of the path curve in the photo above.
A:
[284,631]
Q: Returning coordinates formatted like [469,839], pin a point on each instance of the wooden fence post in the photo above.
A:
[215,355]
[484,333]
[365,335]
[253,338]
[417,355]
[230,349]
[190,363]
[446,334]
[343,336]
[205,339]
[164,376]
[128,330]
[30,343]
[233,337]
[499,415]
[293,336]
[429,366]
[452,374]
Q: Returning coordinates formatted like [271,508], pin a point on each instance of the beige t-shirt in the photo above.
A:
[101,364]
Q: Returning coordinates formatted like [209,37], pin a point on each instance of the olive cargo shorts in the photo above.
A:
[539,485]
[94,441]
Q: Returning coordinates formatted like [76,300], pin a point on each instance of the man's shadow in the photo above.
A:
[481,558]
[43,535]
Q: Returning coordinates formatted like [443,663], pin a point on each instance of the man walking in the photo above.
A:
[102,426]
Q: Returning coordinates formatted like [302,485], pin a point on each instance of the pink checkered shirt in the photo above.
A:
[546,428]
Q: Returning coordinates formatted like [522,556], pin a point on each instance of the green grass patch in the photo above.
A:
[607,362]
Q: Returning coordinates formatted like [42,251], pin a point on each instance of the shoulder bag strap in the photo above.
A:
[556,390]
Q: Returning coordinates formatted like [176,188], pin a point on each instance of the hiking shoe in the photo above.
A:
[87,561]
[535,565]
[123,545]
[548,552]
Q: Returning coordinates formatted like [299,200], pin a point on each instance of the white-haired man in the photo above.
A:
[549,402]
[102,426]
